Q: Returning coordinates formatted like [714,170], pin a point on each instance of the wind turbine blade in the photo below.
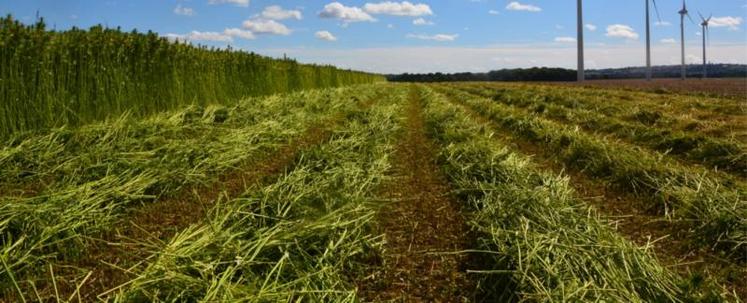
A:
[701,16]
[656,8]
[691,18]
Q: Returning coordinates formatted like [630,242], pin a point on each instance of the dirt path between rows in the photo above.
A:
[423,226]
[669,241]
[108,258]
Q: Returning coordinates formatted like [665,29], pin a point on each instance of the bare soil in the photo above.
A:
[423,227]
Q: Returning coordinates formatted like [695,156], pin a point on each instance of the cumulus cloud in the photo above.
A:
[438,37]
[565,39]
[494,12]
[591,27]
[184,11]
[347,14]
[398,9]
[200,36]
[421,21]
[263,26]
[239,33]
[242,3]
[668,41]
[226,36]
[732,23]
[325,35]
[621,31]
[516,6]
[276,12]
[174,37]
[209,36]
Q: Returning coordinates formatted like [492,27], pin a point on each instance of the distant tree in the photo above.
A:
[561,74]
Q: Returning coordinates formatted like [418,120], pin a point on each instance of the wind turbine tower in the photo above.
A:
[649,72]
[580,40]
[705,32]
[683,12]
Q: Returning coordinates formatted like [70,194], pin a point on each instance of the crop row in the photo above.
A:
[94,175]
[713,117]
[727,155]
[298,239]
[715,212]
[55,78]
[539,242]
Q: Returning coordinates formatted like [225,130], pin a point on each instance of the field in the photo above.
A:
[729,88]
[385,192]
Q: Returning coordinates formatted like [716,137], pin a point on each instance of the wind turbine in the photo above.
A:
[705,32]
[683,12]
[649,72]
[580,40]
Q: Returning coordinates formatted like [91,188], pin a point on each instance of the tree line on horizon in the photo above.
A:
[562,74]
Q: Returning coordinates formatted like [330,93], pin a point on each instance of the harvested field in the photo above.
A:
[419,193]
[729,87]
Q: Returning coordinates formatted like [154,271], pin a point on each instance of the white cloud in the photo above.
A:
[516,6]
[262,26]
[239,33]
[325,35]
[662,23]
[732,23]
[184,11]
[591,27]
[398,9]
[668,41]
[421,21]
[565,39]
[438,37]
[390,26]
[242,3]
[621,31]
[276,12]
[494,12]
[201,36]
[174,37]
[226,36]
[347,14]
[208,36]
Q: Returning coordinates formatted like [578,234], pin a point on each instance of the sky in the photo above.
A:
[420,36]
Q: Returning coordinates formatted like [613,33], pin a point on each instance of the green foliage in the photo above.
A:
[96,173]
[650,128]
[716,213]
[74,77]
[298,239]
[539,243]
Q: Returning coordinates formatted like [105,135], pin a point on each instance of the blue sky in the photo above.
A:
[417,36]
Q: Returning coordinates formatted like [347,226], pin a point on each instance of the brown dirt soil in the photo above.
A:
[669,241]
[732,87]
[423,226]
[109,256]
